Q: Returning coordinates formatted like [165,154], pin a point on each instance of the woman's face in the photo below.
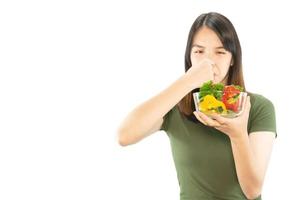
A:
[207,45]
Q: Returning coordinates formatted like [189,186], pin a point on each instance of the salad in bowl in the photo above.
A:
[228,101]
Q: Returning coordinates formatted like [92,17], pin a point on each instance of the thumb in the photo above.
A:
[247,105]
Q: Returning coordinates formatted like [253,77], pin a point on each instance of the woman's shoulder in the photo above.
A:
[259,100]
[262,115]
[257,97]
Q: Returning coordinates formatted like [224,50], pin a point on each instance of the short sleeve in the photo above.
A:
[166,121]
[263,116]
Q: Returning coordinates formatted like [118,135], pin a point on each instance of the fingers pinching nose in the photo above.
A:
[215,70]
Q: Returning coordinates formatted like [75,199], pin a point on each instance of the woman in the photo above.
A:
[217,157]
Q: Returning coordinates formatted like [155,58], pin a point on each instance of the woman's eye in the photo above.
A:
[198,51]
[221,52]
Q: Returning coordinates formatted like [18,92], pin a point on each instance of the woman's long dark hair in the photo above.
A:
[228,36]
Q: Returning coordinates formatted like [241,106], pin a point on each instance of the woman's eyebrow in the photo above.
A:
[197,45]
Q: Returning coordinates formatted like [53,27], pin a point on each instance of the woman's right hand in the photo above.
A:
[200,72]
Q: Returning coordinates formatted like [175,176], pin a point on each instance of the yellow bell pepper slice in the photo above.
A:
[211,104]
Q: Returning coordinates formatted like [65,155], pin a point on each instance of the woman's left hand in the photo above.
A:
[233,127]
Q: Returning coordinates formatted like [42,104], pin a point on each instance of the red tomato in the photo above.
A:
[228,99]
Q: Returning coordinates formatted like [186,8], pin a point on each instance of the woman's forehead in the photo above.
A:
[206,37]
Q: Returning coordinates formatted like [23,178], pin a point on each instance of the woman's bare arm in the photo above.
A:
[147,118]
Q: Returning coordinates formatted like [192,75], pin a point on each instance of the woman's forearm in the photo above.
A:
[141,119]
[246,168]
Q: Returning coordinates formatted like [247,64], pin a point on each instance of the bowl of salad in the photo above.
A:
[227,101]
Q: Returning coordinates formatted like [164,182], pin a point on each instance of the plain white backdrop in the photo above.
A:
[70,71]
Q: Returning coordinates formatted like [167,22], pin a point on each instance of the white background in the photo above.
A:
[70,71]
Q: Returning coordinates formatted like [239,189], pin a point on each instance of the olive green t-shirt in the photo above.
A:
[203,156]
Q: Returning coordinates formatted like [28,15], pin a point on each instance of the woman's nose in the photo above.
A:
[209,55]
